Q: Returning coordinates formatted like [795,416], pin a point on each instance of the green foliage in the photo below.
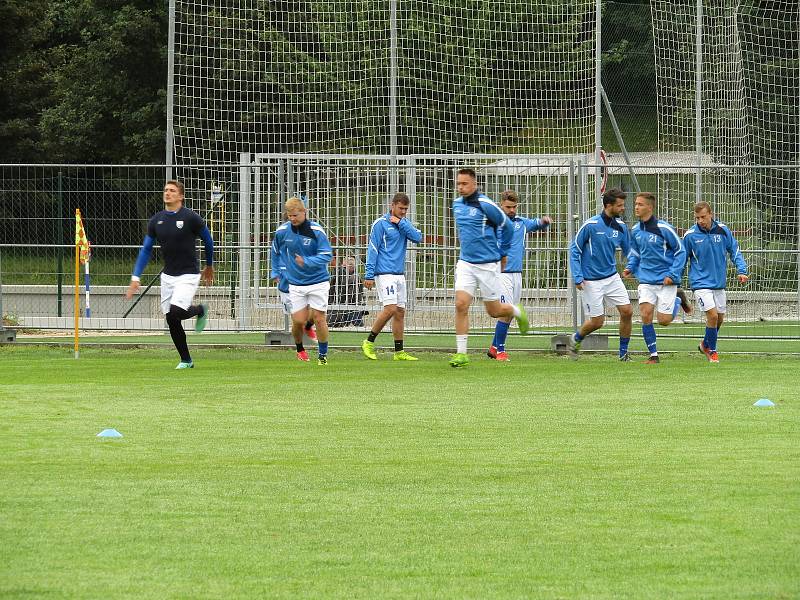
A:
[84,82]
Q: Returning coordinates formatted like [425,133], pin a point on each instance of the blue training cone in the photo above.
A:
[764,402]
[109,433]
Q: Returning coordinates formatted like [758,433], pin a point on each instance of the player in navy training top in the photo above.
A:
[176,228]
[511,277]
[708,245]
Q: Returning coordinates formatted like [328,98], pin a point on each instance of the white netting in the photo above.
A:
[498,76]
[749,118]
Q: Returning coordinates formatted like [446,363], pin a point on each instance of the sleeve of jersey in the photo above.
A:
[679,256]
[625,242]
[275,259]
[535,225]
[736,254]
[144,256]
[633,256]
[575,253]
[208,245]
[411,232]
[324,253]
[372,252]
[507,236]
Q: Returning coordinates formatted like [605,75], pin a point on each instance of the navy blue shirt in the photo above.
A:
[176,233]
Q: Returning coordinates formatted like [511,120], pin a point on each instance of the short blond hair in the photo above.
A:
[294,204]
[701,206]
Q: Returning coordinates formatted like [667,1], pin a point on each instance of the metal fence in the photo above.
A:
[243,204]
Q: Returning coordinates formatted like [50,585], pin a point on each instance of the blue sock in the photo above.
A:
[323,348]
[578,336]
[711,338]
[649,333]
[496,329]
[500,335]
[676,309]
[623,345]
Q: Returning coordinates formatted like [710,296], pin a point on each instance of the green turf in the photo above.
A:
[255,475]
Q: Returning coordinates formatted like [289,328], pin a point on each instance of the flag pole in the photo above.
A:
[77,302]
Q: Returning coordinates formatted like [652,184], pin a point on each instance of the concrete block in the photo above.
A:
[8,336]
[560,343]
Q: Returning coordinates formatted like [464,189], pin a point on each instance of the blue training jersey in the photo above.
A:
[707,251]
[386,252]
[656,252]
[309,241]
[484,231]
[278,271]
[593,252]
[520,227]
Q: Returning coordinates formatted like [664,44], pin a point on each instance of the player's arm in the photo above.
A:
[276,263]
[737,258]
[324,253]
[372,254]
[412,233]
[679,256]
[538,224]
[575,255]
[141,262]
[633,259]
[208,245]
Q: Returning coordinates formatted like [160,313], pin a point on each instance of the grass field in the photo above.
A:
[254,475]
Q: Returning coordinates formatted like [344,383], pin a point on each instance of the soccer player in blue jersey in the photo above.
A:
[656,259]
[593,263]
[708,244]
[511,277]
[278,274]
[176,228]
[302,247]
[385,271]
[485,236]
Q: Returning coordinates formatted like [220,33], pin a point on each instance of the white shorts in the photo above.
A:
[485,276]
[286,301]
[178,290]
[512,288]
[595,292]
[391,289]
[315,295]
[663,296]
[708,299]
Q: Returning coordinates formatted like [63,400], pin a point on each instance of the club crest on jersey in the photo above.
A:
[473,212]
[179,224]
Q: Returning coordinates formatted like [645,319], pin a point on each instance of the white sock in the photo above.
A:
[516,310]
[461,344]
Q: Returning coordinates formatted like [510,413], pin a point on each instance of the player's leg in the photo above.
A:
[668,304]
[488,277]
[298,301]
[399,321]
[625,327]
[465,286]
[707,301]
[592,297]
[498,346]
[387,295]
[177,304]
[616,294]
[648,297]
[318,302]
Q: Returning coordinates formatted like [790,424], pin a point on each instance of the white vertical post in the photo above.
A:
[698,100]
[393,175]
[598,88]
[411,262]
[245,174]
[572,218]
[257,233]
[170,88]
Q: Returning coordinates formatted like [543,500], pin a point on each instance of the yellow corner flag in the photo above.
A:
[81,241]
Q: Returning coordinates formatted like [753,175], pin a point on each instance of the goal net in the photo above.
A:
[291,83]
[743,111]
